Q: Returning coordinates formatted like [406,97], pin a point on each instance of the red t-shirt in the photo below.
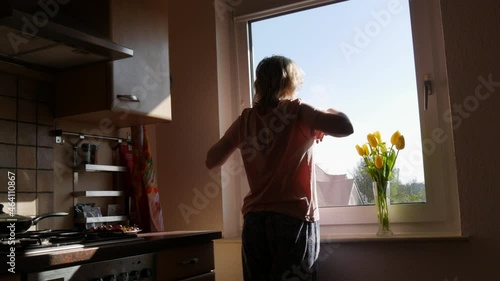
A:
[276,147]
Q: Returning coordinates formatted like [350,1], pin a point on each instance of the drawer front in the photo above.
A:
[186,261]
[204,277]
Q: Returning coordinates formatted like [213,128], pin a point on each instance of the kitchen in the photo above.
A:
[197,52]
[38,162]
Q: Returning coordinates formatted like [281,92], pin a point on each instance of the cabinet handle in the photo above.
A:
[190,261]
[128,98]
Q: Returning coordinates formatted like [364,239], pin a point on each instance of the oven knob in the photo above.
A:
[123,276]
[146,272]
[134,275]
[109,278]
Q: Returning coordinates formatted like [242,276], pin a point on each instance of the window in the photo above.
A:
[357,57]
[363,56]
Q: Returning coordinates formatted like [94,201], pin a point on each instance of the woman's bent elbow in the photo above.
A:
[210,162]
[346,131]
[349,129]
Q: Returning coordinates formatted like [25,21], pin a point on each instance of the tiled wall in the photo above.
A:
[26,148]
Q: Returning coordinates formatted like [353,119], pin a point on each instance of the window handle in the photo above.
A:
[427,90]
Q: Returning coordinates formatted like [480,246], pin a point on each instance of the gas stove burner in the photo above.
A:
[27,242]
[32,233]
[54,235]
[44,239]
[39,231]
[51,240]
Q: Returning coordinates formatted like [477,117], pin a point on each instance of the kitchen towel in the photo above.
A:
[145,186]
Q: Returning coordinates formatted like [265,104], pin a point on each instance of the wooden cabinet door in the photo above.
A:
[104,91]
[185,262]
[204,277]
[141,84]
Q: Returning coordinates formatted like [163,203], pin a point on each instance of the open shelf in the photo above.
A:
[101,219]
[100,168]
[99,193]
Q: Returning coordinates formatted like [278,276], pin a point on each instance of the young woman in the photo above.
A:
[275,137]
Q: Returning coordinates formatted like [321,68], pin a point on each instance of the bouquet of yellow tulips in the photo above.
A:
[379,161]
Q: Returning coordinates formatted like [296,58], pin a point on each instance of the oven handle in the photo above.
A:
[190,261]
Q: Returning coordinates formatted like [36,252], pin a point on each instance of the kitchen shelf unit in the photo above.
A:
[95,168]
[91,168]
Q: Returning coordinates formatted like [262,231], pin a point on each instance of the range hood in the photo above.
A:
[36,41]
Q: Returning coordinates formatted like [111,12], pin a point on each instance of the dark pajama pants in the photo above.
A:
[279,248]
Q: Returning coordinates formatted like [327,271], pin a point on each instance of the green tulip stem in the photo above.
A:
[382,206]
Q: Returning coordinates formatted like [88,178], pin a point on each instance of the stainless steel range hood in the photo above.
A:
[36,41]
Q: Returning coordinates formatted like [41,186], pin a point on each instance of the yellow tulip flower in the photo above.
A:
[378,136]
[400,144]
[383,147]
[366,149]
[379,162]
[395,137]
[360,150]
[372,140]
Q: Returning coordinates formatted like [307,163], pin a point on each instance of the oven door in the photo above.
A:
[140,267]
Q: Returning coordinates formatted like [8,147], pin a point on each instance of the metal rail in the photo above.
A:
[59,133]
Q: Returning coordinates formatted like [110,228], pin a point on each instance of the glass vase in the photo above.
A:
[381,194]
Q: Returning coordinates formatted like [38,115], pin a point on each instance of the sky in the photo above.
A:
[357,57]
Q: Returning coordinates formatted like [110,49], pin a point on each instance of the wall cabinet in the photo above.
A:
[130,91]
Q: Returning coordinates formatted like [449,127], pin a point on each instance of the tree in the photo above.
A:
[412,192]
[363,183]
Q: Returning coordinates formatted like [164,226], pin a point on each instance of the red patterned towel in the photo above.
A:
[145,187]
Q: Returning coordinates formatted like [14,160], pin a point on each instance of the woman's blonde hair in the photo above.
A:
[277,78]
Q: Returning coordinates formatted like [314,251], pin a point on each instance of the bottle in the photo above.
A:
[86,153]
[93,153]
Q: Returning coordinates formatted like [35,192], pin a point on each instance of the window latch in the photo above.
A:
[427,90]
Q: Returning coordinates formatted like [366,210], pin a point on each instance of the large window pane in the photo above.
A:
[357,57]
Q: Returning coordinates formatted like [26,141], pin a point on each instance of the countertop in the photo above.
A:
[151,242]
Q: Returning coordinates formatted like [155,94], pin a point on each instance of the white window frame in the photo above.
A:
[440,214]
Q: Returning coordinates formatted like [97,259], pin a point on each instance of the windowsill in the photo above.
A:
[357,238]
[369,238]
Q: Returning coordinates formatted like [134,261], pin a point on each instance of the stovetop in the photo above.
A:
[55,240]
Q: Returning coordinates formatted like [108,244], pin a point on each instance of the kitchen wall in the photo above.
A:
[44,177]
[470,31]
[26,149]
[190,194]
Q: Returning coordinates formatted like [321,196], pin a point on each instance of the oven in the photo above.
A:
[133,267]
[140,267]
